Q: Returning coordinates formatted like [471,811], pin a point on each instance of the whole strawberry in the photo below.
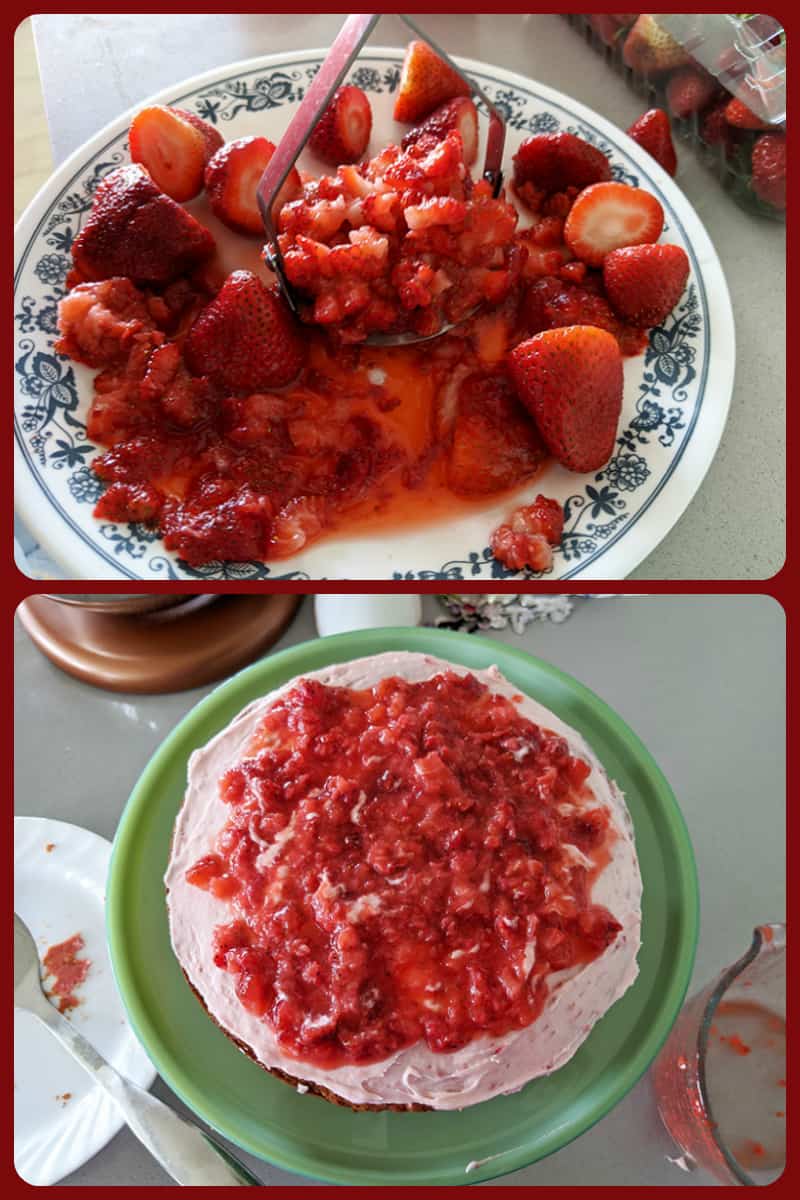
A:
[769,169]
[644,283]
[460,114]
[571,381]
[246,339]
[652,132]
[715,130]
[343,131]
[689,90]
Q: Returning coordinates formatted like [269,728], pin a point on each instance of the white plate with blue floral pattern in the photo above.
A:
[676,394]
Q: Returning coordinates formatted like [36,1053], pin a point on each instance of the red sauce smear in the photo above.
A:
[391,856]
[749,1154]
[68,970]
[736,1044]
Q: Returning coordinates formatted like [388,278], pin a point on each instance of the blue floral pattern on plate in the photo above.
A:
[53,394]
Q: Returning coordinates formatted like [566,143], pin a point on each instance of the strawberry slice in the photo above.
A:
[232,177]
[459,114]
[426,81]
[607,216]
[644,283]
[652,132]
[246,339]
[570,380]
[342,133]
[172,150]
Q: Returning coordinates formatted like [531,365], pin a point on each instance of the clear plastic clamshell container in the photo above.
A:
[694,65]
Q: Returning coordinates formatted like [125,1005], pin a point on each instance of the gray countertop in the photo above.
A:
[699,678]
[94,66]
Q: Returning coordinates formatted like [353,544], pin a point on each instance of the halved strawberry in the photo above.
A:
[232,177]
[495,443]
[606,216]
[137,231]
[644,283]
[528,537]
[211,136]
[689,90]
[246,339]
[172,150]
[571,380]
[555,161]
[426,81]
[652,132]
[460,114]
[650,50]
[343,131]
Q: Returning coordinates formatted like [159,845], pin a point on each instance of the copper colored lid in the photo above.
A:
[116,602]
[198,640]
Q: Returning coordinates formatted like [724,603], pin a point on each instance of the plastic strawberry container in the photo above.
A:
[721,77]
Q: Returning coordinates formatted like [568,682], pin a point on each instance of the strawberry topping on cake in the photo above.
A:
[393,862]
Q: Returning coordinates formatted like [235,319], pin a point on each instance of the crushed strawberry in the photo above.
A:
[396,865]
[405,242]
[526,540]
[129,502]
[459,114]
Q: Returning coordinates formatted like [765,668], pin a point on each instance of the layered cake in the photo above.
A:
[397,883]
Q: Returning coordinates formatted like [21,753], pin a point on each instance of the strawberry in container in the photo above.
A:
[716,79]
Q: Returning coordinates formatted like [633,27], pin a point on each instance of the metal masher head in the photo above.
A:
[339,59]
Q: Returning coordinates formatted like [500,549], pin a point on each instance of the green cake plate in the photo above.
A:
[306,1134]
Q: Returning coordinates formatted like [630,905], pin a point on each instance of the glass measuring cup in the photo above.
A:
[720,1079]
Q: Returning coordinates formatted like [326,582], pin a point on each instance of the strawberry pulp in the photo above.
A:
[408,862]
[405,242]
